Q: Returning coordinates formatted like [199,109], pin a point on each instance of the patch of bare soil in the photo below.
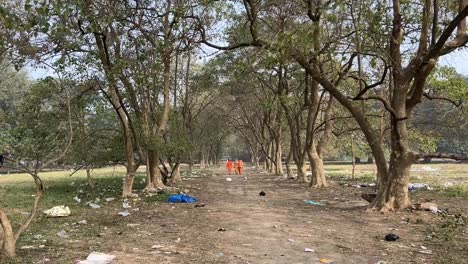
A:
[239,226]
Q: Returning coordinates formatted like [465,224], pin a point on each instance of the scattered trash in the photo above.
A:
[312,202]
[177,240]
[199,205]
[77,200]
[109,199]
[181,198]
[262,193]
[133,225]
[97,258]
[308,250]
[124,213]
[157,246]
[83,222]
[126,205]
[327,261]
[94,206]
[222,229]
[427,251]
[58,211]
[28,247]
[448,184]
[63,234]
[391,237]
[427,207]
[414,186]
[356,185]
[291,240]
[228,179]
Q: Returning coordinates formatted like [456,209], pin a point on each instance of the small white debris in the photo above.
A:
[63,234]
[177,240]
[291,240]
[97,258]
[76,199]
[83,222]
[228,179]
[94,206]
[109,199]
[126,205]
[308,250]
[157,246]
[58,211]
[124,213]
[28,247]
[133,225]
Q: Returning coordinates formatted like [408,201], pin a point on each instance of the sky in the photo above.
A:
[458,60]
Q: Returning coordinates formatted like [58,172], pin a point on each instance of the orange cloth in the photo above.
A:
[236,167]
[229,166]
[241,166]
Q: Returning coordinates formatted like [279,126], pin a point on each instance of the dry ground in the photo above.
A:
[275,228]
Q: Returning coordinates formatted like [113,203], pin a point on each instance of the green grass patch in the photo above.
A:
[456,191]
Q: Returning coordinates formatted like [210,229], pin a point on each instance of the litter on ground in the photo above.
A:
[312,202]
[97,258]
[181,198]
[58,211]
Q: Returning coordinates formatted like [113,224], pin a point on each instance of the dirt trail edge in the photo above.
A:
[239,226]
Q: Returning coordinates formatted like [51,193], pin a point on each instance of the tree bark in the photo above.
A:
[316,165]
[9,241]
[175,174]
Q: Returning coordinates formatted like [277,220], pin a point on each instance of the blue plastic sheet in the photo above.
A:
[181,198]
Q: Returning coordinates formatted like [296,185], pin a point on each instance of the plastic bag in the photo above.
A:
[181,198]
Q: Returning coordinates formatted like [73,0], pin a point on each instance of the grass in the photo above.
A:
[16,197]
[448,238]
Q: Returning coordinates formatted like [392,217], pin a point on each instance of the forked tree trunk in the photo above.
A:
[154,170]
[175,174]
[394,195]
[316,165]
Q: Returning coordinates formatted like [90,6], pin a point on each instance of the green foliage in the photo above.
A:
[40,127]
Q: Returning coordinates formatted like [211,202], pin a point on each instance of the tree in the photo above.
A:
[40,137]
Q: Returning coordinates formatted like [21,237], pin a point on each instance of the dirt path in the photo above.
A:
[275,228]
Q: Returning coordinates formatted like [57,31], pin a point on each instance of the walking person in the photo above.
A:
[236,167]
[229,166]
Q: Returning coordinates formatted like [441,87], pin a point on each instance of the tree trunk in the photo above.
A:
[88,176]
[353,176]
[316,165]
[128,183]
[302,172]
[175,174]
[9,242]
[395,193]
[278,157]
[191,161]
[149,179]
[154,170]
[289,171]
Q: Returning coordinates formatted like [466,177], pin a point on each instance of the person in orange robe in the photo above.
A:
[236,167]
[229,166]
[241,166]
